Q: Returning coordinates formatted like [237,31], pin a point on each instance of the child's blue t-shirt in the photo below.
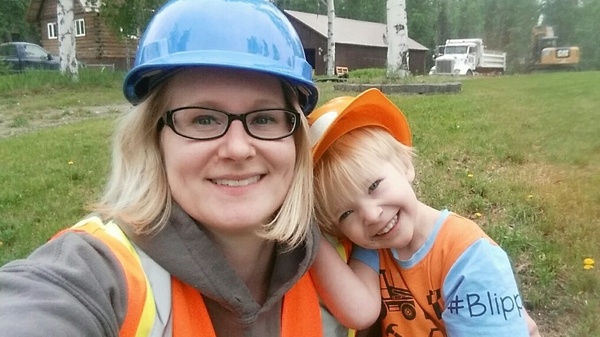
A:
[479,294]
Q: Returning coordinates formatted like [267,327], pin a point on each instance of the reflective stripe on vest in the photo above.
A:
[141,309]
[300,314]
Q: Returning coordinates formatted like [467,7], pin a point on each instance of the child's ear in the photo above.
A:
[410,172]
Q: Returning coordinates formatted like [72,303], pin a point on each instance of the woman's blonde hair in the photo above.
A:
[137,191]
[341,172]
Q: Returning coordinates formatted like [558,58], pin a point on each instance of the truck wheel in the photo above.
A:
[469,73]
[408,311]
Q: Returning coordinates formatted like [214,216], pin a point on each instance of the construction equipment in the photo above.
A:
[545,55]
[467,57]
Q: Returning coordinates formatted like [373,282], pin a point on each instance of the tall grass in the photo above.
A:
[520,155]
[48,178]
[44,81]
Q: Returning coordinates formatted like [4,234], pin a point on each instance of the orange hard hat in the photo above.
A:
[343,114]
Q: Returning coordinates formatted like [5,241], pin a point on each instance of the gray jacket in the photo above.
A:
[72,285]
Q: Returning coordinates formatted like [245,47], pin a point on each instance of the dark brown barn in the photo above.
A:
[95,43]
[359,44]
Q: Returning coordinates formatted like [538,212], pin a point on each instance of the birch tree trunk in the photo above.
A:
[397,39]
[330,38]
[66,38]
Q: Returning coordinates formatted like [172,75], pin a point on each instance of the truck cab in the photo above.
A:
[458,59]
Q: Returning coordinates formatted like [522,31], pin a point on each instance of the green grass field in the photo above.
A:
[520,155]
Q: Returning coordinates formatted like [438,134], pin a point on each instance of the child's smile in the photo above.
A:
[389,226]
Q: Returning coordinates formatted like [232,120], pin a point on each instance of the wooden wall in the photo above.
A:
[98,46]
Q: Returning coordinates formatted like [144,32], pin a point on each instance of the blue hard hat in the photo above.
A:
[241,34]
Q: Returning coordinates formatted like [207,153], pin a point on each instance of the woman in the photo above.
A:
[204,227]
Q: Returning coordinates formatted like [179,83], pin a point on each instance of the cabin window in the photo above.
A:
[52,30]
[80,27]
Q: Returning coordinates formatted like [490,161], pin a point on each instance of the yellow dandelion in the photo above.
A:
[478,215]
[530,196]
[470,175]
[588,263]
[70,162]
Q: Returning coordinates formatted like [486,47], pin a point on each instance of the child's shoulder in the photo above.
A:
[461,225]
[458,233]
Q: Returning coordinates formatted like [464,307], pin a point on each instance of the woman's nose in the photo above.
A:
[236,143]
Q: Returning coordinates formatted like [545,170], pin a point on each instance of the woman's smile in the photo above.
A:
[236,182]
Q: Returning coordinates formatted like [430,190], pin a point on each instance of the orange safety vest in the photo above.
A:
[300,314]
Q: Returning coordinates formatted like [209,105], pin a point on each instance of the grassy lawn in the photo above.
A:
[520,155]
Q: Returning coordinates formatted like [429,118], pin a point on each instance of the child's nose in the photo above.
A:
[371,214]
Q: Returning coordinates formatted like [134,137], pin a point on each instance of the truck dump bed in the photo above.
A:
[493,59]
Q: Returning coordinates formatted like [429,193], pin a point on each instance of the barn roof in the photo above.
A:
[348,31]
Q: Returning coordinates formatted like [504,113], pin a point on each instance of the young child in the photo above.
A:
[424,272]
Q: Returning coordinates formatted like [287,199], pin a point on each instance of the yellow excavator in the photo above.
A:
[545,55]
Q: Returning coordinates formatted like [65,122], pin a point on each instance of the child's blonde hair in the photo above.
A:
[340,173]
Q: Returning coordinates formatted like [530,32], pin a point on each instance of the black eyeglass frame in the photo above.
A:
[167,119]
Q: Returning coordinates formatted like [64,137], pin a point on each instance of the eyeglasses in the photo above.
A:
[204,124]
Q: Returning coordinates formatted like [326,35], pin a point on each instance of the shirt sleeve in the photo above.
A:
[481,295]
[71,286]
[370,257]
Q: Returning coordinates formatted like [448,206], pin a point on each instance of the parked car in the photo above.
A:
[23,55]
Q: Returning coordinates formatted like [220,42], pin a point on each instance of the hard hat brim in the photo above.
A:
[141,80]
[370,108]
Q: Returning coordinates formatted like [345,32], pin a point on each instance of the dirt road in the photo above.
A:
[15,122]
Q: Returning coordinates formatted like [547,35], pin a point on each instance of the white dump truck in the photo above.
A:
[467,57]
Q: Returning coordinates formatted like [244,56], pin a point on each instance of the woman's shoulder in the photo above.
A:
[70,256]
[73,272]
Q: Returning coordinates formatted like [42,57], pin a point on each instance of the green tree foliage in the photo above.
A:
[586,31]
[421,15]
[467,18]
[128,18]
[373,10]
[507,26]
[563,16]
[309,6]
[12,20]
[442,25]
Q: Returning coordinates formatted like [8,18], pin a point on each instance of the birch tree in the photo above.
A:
[397,39]
[330,38]
[66,39]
